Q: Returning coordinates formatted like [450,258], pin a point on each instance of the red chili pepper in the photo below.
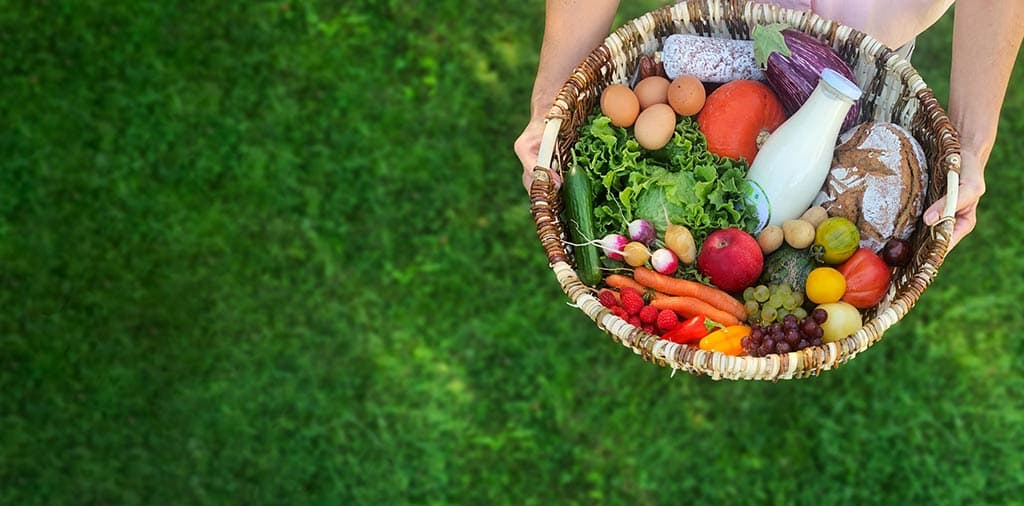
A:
[688,332]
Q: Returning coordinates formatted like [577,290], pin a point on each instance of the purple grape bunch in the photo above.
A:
[791,334]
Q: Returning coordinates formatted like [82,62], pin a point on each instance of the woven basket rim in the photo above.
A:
[705,16]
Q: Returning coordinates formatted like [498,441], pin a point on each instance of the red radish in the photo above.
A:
[613,245]
[664,261]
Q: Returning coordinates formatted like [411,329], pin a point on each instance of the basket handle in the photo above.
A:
[547,143]
[952,194]
[943,228]
[542,190]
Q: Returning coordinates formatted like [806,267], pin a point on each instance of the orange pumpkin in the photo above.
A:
[736,114]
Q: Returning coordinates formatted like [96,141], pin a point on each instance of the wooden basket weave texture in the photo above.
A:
[893,91]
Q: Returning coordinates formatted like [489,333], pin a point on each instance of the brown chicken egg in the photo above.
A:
[654,126]
[652,90]
[686,95]
[620,104]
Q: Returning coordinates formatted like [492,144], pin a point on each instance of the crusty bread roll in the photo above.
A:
[878,180]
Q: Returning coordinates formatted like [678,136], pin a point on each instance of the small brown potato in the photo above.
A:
[815,216]
[798,233]
[770,239]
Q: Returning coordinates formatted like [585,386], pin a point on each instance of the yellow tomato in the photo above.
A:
[824,285]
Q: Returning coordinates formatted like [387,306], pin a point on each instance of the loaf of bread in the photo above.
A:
[878,180]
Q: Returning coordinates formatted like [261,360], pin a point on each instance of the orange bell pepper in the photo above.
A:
[726,340]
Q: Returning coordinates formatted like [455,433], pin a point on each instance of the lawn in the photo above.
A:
[279,253]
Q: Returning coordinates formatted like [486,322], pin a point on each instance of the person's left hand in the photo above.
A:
[527,147]
[972,187]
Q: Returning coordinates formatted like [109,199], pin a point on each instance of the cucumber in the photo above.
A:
[579,210]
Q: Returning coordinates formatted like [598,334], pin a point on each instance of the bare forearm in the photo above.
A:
[986,37]
[572,29]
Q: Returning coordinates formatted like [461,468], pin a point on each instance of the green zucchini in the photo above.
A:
[579,209]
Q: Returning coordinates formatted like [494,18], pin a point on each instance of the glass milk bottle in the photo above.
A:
[793,163]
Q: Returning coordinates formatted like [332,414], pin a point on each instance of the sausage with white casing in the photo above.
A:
[710,59]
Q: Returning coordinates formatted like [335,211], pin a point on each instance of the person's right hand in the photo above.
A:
[527,148]
[572,29]
[972,187]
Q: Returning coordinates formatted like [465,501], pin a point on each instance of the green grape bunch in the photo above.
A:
[767,304]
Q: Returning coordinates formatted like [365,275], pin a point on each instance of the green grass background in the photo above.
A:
[278,253]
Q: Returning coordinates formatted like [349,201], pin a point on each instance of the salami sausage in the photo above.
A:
[710,59]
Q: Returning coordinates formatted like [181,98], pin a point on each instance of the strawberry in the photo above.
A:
[632,301]
[667,320]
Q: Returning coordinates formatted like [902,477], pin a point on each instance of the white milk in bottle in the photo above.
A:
[792,165]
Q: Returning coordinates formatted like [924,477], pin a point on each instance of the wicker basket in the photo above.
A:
[893,91]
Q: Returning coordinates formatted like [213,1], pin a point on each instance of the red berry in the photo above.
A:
[607,298]
[648,314]
[649,329]
[620,312]
[631,300]
[635,321]
[667,319]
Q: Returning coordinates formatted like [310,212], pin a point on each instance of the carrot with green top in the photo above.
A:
[684,287]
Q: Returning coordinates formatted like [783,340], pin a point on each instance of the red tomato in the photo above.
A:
[867,278]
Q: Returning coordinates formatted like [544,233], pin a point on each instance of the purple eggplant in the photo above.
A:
[793,62]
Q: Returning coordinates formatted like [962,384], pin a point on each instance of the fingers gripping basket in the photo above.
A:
[893,91]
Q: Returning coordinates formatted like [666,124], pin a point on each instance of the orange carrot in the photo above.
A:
[690,307]
[619,281]
[675,286]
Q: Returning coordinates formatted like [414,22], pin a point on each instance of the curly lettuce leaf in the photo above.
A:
[683,181]
[701,200]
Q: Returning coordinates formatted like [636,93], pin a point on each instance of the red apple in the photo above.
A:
[731,258]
